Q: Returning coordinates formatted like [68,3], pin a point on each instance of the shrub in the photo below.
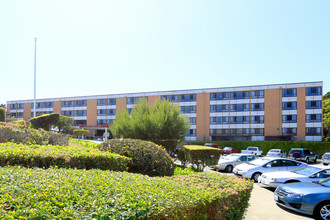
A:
[80,132]
[44,121]
[20,122]
[45,156]
[147,157]
[200,156]
[95,194]
[2,114]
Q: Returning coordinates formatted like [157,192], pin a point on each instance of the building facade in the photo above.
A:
[266,112]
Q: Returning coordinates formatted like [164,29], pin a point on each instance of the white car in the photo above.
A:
[254,169]
[326,158]
[303,174]
[227,163]
[276,153]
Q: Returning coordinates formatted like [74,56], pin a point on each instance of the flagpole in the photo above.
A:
[35,76]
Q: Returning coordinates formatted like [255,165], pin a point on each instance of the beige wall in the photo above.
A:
[152,99]
[91,112]
[57,107]
[301,113]
[120,104]
[27,111]
[273,112]
[202,116]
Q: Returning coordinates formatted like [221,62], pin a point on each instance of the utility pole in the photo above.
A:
[35,76]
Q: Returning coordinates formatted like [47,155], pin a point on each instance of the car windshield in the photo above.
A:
[274,151]
[325,182]
[231,157]
[306,171]
[259,162]
[227,148]
[326,156]
[252,148]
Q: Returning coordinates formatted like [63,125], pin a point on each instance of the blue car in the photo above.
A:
[307,198]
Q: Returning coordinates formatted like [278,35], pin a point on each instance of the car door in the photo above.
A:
[289,165]
[274,165]
[320,175]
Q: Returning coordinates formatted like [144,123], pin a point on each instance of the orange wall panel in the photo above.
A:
[120,104]
[203,116]
[27,111]
[301,113]
[273,112]
[57,107]
[91,112]
[152,99]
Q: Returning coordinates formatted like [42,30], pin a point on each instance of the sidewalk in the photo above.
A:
[262,206]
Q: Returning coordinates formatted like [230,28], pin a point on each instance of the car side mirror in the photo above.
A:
[238,160]
[268,165]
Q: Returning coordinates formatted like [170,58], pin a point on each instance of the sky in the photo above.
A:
[110,47]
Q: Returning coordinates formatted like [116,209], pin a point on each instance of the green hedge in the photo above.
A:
[318,147]
[147,157]
[96,194]
[44,121]
[45,156]
[200,156]
[2,114]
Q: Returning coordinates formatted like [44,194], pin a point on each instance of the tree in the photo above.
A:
[2,114]
[326,115]
[64,123]
[80,132]
[161,123]
[44,121]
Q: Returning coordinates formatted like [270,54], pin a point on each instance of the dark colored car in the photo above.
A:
[307,198]
[302,154]
[229,150]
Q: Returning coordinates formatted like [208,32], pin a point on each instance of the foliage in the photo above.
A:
[327,96]
[318,147]
[45,156]
[96,194]
[44,121]
[20,134]
[199,156]
[147,157]
[80,132]
[161,123]
[20,122]
[2,114]
[184,171]
[64,123]
[82,143]
[326,117]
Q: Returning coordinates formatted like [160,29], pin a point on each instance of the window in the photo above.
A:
[16,115]
[42,105]
[289,163]
[240,95]
[67,104]
[239,119]
[314,104]
[313,91]
[257,131]
[104,112]
[80,123]
[191,133]
[289,92]
[289,119]
[188,109]
[313,131]
[314,118]
[257,94]
[80,103]
[101,102]
[289,105]
[80,113]
[257,106]
[192,120]
[12,106]
[258,119]
[239,132]
[111,112]
[133,100]
[219,108]
[129,111]
[218,120]
[219,132]
[67,113]
[239,107]
[289,131]
[16,106]
[104,122]
[180,98]
[101,112]
[219,96]
[111,101]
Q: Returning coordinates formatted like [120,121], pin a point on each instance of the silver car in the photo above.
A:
[326,158]
[276,153]
[254,169]
[228,162]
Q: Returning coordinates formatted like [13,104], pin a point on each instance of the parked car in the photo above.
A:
[326,158]
[252,150]
[229,150]
[211,145]
[276,153]
[254,169]
[228,162]
[303,174]
[302,154]
[306,198]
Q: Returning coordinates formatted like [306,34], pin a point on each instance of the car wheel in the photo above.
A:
[307,160]
[322,211]
[229,168]
[325,164]
[256,176]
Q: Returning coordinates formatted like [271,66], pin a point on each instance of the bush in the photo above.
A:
[200,156]
[80,132]
[20,122]
[44,121]
[147,157]
[95,194]
[45,156]
[2,114]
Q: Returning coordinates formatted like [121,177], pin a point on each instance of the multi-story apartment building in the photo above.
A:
[265,112]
